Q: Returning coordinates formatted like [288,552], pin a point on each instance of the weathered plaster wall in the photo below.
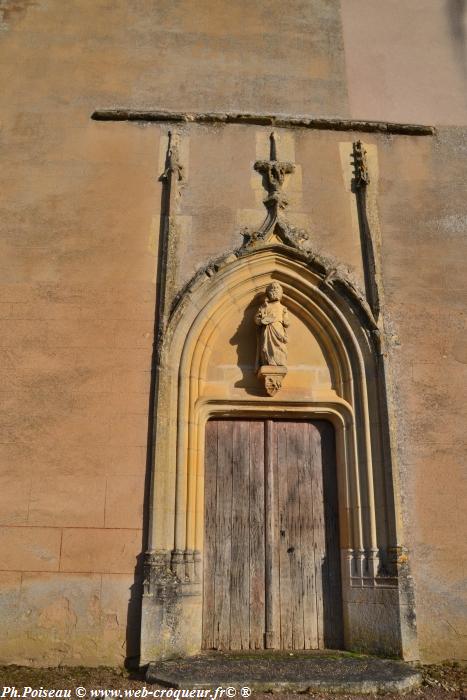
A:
[424,244]
[78,254]
[406,61]
[80,223]
[78,260]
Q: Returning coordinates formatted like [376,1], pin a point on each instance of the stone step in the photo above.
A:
[272,671]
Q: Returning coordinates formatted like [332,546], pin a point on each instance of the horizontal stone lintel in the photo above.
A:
[319,123]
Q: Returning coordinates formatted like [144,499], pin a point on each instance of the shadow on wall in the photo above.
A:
[133,624]
[133,621]
[245,338]
[456,15]
[330,566]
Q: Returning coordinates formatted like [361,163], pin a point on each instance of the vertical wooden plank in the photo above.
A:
[223,535]
[240,554]
[276,550]
[319,543]
[310,623]
[282,543]
[269,537]
[332,590]
[257,538]
[210,526]
[295,432]
[285,603]
[275,573]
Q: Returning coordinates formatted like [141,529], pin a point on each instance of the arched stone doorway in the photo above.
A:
[207,371]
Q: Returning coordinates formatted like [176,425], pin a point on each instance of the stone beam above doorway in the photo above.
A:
[278,120]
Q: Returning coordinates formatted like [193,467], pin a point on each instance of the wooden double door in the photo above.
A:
[271,552]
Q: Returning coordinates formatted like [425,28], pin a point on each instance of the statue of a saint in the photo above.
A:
[273,319]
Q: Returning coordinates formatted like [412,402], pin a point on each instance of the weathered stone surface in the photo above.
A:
[30,549]
[67,501]
[104,550]
[80,220]
[331,672]
[132,115]
[73,616]
[389,77]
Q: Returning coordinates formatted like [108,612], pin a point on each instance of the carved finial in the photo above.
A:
[272,138]
[362,178]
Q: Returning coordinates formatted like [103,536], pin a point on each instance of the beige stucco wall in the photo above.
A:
[406,61]
[80,225]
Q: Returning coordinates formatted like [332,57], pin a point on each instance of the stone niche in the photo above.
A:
[231,361]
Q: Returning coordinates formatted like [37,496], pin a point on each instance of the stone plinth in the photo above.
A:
[272,376]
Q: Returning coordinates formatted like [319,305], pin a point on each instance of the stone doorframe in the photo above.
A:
[376,588]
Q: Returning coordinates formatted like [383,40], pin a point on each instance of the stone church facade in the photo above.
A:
[233,300]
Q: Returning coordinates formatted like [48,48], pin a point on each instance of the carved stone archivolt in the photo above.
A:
[272,320]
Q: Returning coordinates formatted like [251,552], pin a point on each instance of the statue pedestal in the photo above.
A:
[272,376]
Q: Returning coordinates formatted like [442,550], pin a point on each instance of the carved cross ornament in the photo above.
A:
[274,172]
[272,321]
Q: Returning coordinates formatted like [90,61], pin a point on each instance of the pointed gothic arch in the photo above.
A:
[352,397]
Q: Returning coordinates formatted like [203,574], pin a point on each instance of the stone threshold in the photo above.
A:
[277,672]
[278,120]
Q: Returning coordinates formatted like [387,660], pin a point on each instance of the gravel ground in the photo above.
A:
[440,682]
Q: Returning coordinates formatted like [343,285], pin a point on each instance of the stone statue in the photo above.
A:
[272,319]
